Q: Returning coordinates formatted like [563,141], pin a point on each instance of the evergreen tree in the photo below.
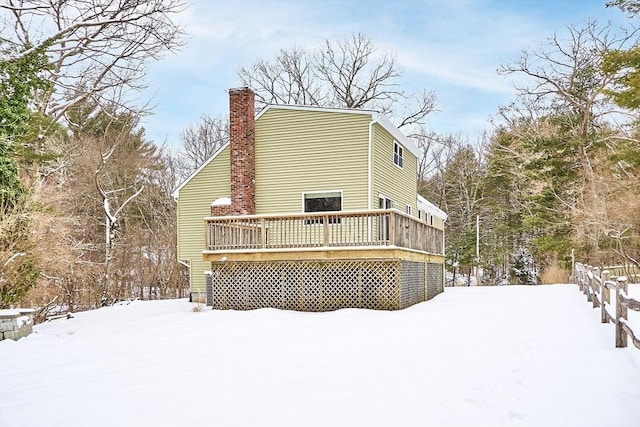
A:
[624,67]
[524,268]
[19,271]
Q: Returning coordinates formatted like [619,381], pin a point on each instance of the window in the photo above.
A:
[408,209]
[398,159]
[383,227]
[330,201]
[384,202]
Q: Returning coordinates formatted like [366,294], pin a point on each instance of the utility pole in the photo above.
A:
[477,247]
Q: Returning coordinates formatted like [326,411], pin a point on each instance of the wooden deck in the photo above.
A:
[374,234]
[379,259]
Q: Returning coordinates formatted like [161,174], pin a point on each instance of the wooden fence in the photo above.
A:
[597,286]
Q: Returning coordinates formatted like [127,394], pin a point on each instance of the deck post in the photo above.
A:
[325,237]
[207,243]
[392,228]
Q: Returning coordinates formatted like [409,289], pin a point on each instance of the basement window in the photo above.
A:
[330,201]
[398,153]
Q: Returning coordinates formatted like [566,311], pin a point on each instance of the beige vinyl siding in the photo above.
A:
[436,221]
[398,184]
[194,203]
[309,151]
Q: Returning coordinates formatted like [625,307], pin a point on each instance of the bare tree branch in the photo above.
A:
[347,74]
[96,48]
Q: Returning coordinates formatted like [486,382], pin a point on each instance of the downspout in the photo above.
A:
[370,173]
[444,261]
[443,224]
[370,162]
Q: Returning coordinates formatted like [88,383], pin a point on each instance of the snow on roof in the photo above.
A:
[222,201]
[427,206]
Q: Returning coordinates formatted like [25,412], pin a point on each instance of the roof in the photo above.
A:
[376,117]
[427,206]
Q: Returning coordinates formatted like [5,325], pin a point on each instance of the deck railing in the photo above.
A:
[322,229]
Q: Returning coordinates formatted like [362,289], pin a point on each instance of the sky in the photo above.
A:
[451,47]
[473,356]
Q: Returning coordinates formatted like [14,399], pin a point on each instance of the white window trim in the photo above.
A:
[382,196]
[408,209]
[401,157]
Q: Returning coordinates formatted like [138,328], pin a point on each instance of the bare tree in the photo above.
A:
[111,213]
[436,151]
[347,73]
[454,184]
[290,78]
[564,93]
[97,49]
[200,141]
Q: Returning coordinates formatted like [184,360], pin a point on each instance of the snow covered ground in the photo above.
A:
[474,356]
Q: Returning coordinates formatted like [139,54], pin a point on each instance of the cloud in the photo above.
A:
[452,47]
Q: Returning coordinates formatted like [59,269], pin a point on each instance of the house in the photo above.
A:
[311,209]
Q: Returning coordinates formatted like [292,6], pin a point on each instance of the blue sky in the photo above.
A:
[451,47]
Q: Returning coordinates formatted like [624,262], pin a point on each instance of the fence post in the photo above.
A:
[604,294]
[578,275]
[587,288]
[621,312]
[595,286]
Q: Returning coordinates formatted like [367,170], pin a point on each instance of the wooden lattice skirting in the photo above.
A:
[323,285]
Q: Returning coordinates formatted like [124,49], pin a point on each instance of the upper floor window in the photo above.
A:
[408,209]
[398,153]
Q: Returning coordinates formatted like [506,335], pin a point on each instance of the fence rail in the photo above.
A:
[388,227]
[597,286]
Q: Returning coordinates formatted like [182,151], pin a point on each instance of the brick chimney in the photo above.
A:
[243,152]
